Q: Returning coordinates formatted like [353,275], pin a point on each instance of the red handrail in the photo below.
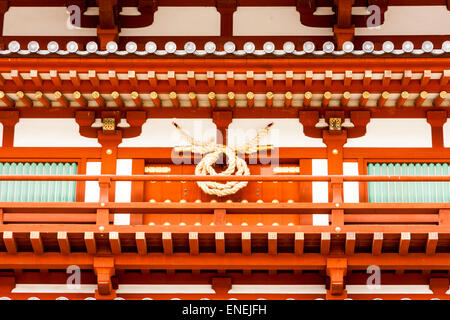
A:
[297,178]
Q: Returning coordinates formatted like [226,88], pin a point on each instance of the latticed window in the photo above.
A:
[413,192]
[37,191]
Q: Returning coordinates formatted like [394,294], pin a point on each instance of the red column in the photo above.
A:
[8,119]
[437,119]
[335,141]
[226,9]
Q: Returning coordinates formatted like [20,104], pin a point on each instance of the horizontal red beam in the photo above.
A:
[314,64]
[234,229]
[335,178]
[230,261]
[212,3]
[233,207]
[205,113]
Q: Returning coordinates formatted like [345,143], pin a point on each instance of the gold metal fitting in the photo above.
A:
[115,94]
[335,124]
[192,95]
[134,95]
[172,95]
[211,95]
[154,94]
[109,124]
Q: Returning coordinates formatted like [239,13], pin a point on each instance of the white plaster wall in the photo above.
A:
[123,189]
[412,20]
[196,21]
[394,133]
[40,21]
[92,189]
[283,133]
[50,133]
[271,21]
[351,189]
[446,129]
[180,21]
[161,133]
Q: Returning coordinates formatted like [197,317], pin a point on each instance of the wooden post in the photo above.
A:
[437,119]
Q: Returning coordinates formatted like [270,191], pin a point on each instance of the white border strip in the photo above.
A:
[165,288]
[54,288]
[277,289]
[389,289]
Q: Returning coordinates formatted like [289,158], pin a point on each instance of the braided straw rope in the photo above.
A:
[212,152]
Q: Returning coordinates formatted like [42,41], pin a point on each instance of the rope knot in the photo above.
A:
[235,164]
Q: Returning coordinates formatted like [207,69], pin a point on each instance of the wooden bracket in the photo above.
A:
[36,242]
[336,270]
[377,243]
[272,245]
[89,240]
[246,241]
[299,243]
[325,243]
[141,243]
[193,243]
[360,120]
[439,286]
[309,120]
[104,269]
[63,242]
[167,243]
[10,241]
[432,241]
[7,282]
[221,285]
[220,243]
[350,242]
[136,120]
[85,119]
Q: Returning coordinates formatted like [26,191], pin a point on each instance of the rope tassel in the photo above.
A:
[212,152]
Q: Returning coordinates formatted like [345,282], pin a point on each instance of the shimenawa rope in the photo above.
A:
[212,152]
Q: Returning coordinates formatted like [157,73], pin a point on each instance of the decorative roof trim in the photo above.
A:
[210,47]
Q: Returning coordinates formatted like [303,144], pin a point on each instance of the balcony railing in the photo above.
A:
[340,213]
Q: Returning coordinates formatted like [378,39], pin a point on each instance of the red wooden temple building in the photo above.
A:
[324,123]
